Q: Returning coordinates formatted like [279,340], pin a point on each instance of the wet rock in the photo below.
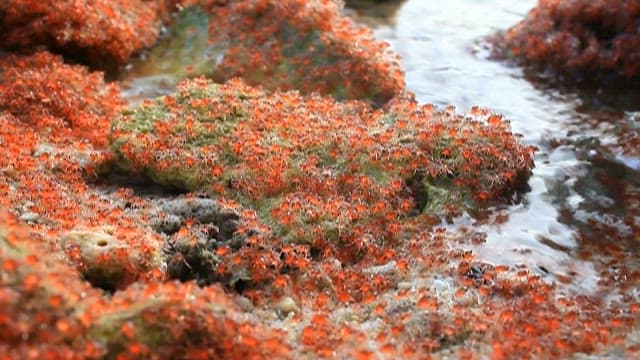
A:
[389,268]
[629,133]
[54,121]
[195,229]
[581,38]
[182,318]
[325,187]
[167,223]
[374,12]
[225,222]
[228,228]
[183,52]
[219,160]
[208,152]
[47,308]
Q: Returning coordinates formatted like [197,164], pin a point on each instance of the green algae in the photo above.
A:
[222,139]
[183,52]
[108,328]
[438,194]
[207,127]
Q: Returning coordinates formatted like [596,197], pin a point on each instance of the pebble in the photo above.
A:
[287,305]
[30,217]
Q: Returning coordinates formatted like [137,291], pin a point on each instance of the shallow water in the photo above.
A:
[446,62]
[580,179]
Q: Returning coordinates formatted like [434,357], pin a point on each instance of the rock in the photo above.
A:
[286,305]
[629,135]
[388,268]
[38,292]
[102,32]
[29,217]
[54,118]
[58,99]
[374,13]
[233,130]
[310,46]
[104,260]
[581,38]
[204,322]
[167,223]
[48,309]
[308,169]
[183,52]
[201,210]
[190,255]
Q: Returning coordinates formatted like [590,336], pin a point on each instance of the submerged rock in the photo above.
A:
[578,37]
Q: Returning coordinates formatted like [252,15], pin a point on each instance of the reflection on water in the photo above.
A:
[574,209]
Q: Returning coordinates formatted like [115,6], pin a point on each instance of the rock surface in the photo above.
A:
[313,168]
[299,227]
[310,46]
[106,261]
[103,32]
[48,311]
[578,37]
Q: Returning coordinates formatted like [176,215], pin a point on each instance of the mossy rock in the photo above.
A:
[315,169]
